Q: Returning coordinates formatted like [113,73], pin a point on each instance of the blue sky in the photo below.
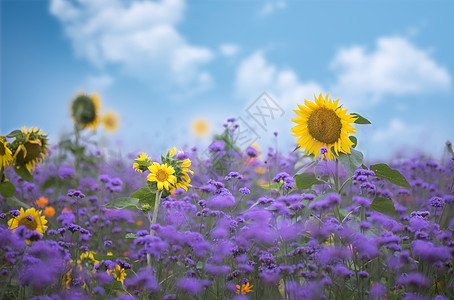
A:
[162,64]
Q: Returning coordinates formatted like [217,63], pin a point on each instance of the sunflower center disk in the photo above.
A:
[32,225]
[2,149]
[324,125]
[33,152]
[161,175]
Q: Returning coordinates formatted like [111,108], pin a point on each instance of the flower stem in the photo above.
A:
[153,221]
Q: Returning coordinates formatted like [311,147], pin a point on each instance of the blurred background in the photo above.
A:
[173,71]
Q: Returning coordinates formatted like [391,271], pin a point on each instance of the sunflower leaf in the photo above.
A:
[296,148]
[351,161]
[354,141]
[394,176]
[306,180]
[122,203]
[383,205]
[23,172]
[360,119]
[145,196]
[7,189]
[13,133]
[131,235]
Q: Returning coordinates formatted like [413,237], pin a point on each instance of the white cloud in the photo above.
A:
[229,50]
[139,36]
[100,82]
[394,67]
[271,6]
[396,129]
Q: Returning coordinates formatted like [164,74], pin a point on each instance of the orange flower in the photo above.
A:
[244,289]
[43,201]
[49,211]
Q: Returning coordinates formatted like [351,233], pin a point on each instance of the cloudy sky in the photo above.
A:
[163,64]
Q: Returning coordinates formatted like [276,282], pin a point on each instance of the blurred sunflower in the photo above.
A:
[6,156]
[323,124]
[31,218]
[141,163]
[118,273]
[85,111]
[200,127]
[163,175]
[30,148]
[110,121]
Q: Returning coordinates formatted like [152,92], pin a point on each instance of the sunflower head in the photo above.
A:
[30,148]
[118,273]
[323,124]
[200,127]
[85,111]
[162,175]
[30,218]
[110,121]
[142,163]
[181,163]
[6,156]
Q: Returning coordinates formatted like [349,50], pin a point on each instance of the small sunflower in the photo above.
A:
[31,218]
[244,288]
[6,156]
[163,175]
[141,163]
[87,259]
[200,127]
[323,124]
[30,148]
[118,273]
[182,165]
[85,111]
[110,121]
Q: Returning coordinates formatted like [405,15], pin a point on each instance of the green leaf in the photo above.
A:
[354,140]
[13,133]
[23,172]
[7,189]
[296,148]
[14,202]
[122,203]
[360,119]
[394,176]
[51,181]
[351,161]
[145,196]
[306,180]
[272,186]
[131,236]
[383,205]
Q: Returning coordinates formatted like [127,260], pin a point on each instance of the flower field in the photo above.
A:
[318,222]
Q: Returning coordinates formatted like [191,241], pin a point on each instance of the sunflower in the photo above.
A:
[118,273]
[141,163]
[323,124]
[200,127]
[163,175]
[85,111]
[31,218]
[6,156]
[182,169]
[30,148]
[110,121]
[244,288]
[88,259]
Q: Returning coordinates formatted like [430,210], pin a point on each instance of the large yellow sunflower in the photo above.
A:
[183,179]
[31,218]
[163,175]
[32,149]
[323,124]
[6,156]
[85,111]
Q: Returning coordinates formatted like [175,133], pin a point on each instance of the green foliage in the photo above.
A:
[7,189]
[131,235]
[122,203]
[14,133]
[23,172]
[306,180]
[145,196]
[351,161]
[360,119]
[354,140]
[394,176]
[383,205]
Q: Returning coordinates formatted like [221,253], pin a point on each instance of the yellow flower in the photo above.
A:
[163,175]
[31,218]
[31,148]
[6,156]
[85,111]
[110,121]
[244,289]
[323,124]
[200,127]
[87,258]
[183,179]
[118,273]
[144,158]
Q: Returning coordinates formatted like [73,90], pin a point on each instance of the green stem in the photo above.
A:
[153,221]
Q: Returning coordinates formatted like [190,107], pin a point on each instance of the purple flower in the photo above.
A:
[107,243]
[251,152]
[192,285]
[437,202]
[143,279]
[245,191]
[216,146]
[66,172]
[414,279]
[323,150]
[14,213]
